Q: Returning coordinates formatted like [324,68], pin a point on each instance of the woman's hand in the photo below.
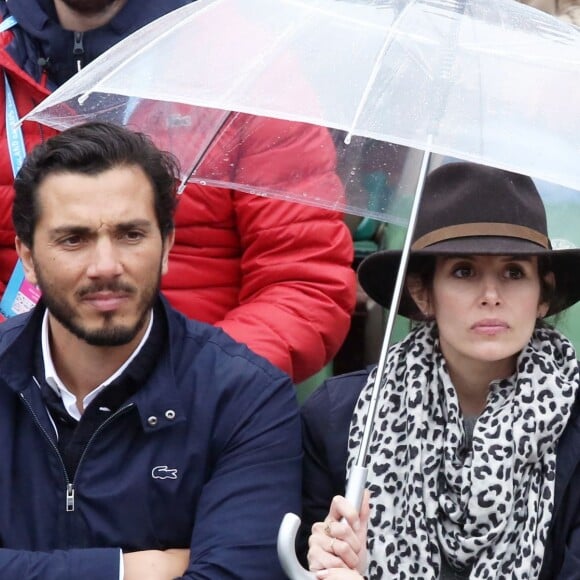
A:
[337,546]
[338,574]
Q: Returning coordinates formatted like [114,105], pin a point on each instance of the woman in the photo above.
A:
[478,407]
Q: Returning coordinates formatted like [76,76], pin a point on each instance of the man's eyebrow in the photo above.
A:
[84,230]
[75,230]
[134,224]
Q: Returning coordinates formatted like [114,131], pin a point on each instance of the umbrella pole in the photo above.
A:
[216,135]
[286,544]
[397,293]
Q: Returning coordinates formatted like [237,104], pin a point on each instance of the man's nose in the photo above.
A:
[105,260]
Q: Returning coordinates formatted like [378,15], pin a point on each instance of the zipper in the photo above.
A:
[114,416]
[78,49]
[70,497]
[70,485]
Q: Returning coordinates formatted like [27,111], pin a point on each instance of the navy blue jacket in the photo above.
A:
[326,419]
[215,476]
[60,49]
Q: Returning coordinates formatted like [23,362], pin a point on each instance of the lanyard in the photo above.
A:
[7,23]
[19,296]
[16,146]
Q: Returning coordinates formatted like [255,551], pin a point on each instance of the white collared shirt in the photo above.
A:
[53,380]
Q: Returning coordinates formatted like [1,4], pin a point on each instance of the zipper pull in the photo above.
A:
[70,498]
[79,50]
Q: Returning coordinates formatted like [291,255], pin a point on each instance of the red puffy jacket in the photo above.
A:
[273,274]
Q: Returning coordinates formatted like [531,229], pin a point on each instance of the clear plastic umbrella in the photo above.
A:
[490,81]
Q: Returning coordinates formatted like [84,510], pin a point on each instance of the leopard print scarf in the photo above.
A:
[488,507]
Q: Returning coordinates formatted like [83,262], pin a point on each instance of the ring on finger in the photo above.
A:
[327,529]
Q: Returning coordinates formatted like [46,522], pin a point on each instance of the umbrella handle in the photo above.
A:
[287,550]
[286,544]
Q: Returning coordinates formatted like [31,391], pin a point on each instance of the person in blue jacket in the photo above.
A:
[474,458]
[135,443]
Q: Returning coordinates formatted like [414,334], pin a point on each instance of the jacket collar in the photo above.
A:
[159,403]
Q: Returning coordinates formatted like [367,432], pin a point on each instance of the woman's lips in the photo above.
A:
[490,326]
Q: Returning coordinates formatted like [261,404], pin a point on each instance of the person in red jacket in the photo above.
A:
[274,275]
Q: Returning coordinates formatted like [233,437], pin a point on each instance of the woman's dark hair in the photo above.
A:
[91,149]
[423,268]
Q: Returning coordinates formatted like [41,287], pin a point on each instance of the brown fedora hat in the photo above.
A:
[471,209]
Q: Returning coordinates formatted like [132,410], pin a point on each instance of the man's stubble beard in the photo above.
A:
[106,336]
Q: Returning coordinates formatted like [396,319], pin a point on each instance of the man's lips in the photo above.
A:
[490,326]
[105,301]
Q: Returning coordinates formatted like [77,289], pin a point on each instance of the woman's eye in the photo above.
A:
[514,272]
[462,271]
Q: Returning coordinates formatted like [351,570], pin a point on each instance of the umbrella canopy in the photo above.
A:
[491,81]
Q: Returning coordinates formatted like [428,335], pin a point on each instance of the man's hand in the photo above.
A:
[155,564]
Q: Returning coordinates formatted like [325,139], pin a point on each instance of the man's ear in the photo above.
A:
[167,245]
[25,255]
[543,307]
[419,293]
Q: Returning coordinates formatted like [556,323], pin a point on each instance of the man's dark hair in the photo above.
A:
[91,149]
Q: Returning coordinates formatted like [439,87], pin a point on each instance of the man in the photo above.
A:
[274,275]
[129,433]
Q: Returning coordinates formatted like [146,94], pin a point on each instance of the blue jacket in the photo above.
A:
[60,48]
[215,476]
[326,419]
